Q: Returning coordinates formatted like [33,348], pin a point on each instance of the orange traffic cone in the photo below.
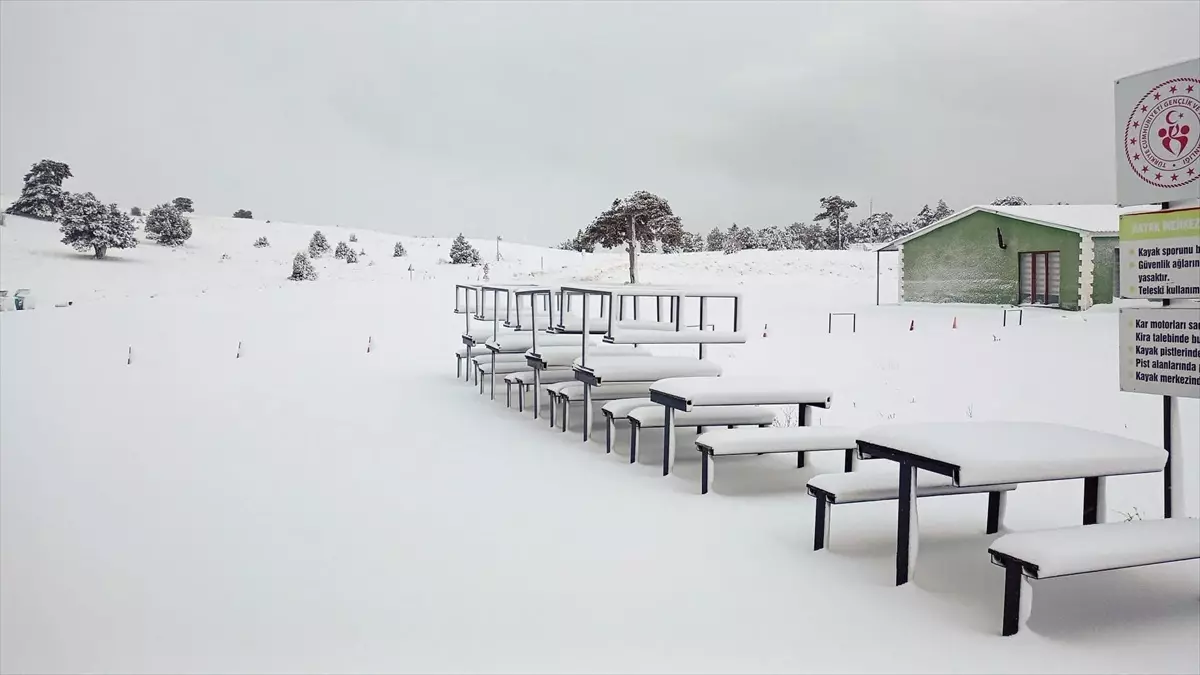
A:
[955,324]
[912,323]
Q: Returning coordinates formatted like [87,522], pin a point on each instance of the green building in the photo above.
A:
[1055,256]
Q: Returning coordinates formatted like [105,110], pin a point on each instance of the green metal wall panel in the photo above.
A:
[1104,269]
[963,261]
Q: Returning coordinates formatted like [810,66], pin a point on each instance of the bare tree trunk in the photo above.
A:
[633,276]
[101,250]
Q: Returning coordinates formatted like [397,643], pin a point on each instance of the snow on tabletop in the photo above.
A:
[687,336]
[655,415]
[620,408]
[649,369]
[550,376]
[1088,548]
[778,439]
[742,391]
[608,392]
[875,485]
[1017,452]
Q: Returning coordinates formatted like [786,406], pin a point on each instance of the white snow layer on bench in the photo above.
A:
[687,336]
[654,416]
[520,342]
[486,357]
[874,486]
[566,356]
[620,408]
[548,376]
[642,369]
[1019,452]
[1093,548]
[778,439]
[609,392]
[502,367]
[741,391]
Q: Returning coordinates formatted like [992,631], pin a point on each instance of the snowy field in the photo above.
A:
[312,507]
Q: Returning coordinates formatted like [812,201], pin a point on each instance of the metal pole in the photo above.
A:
[587,388]
[703,320]
[878,254]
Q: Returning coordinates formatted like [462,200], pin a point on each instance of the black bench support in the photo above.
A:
[903,522]
[634,433]
[848,463]
[993,517]
[1012,597]
[1091,497]
[704,460]
[819,526]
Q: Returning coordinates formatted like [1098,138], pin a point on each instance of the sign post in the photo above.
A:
[1158,162]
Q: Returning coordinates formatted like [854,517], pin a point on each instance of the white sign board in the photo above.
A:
[1160,254]
[1158,135]
[1160,350]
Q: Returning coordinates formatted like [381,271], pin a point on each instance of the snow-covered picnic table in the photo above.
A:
[993,453]
[684,393]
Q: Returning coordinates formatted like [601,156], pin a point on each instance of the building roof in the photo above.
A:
[1082,219]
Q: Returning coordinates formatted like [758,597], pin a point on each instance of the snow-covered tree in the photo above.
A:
[876,228]
[836,210]
[1011,200]
[635,222]
[691,243]
[941,211]
[351,255]
[651,247]
[463,253]
[167,225]
[578,243]
[261,242]
[135,211]
[340,251]
[398,251]
[716,240]
[42,196]
[302,268]
[748,239]
[353,237]
[243,213]
[733,239]
[184,204]
[771,238]
[318,245]
[88,225]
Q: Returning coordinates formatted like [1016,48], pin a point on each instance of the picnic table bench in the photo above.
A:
[773,440]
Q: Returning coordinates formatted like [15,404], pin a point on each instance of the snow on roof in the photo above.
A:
[1081,218]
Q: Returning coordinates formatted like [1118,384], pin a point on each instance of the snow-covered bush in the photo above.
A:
[398,251]
[167,225]
[42,196]
[184,204]
[261,242]
[351,256]
[89,225]
[302,268]
[318,245]
[340,251]
[135,211]
[463,253]
[243,213]
[353,237]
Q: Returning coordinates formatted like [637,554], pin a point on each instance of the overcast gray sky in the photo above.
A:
[526,119]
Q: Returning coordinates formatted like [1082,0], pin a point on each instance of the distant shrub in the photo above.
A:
[340,251]
[398,251]
[183,204]
[353,237]
[302,268]
[351,256]
[261,242]
[168,226]
[242,213]
[318,245]
[135,211]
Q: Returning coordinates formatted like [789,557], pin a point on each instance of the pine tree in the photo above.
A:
[261,242]
[302,268]
[1011,200]
[716,240]
[876,228]
[135,211]
[650,247]
[86,224]
[351,256]
[318,245]
[340,251]
[635,222]
[463,253]
[942,211]
[733,239]
[242,213]
[398,251]
[771,238]
[184,204]
[692,243]
[836,210]
[42,196]
[748,239]
[167,225]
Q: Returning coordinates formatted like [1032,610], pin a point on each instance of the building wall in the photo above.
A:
[962,262]
[1103,269]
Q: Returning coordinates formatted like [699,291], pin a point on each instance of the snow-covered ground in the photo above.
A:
[312,507]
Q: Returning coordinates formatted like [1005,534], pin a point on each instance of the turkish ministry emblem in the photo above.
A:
[1162,135]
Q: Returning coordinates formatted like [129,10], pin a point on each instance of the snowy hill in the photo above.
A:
[207,468]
